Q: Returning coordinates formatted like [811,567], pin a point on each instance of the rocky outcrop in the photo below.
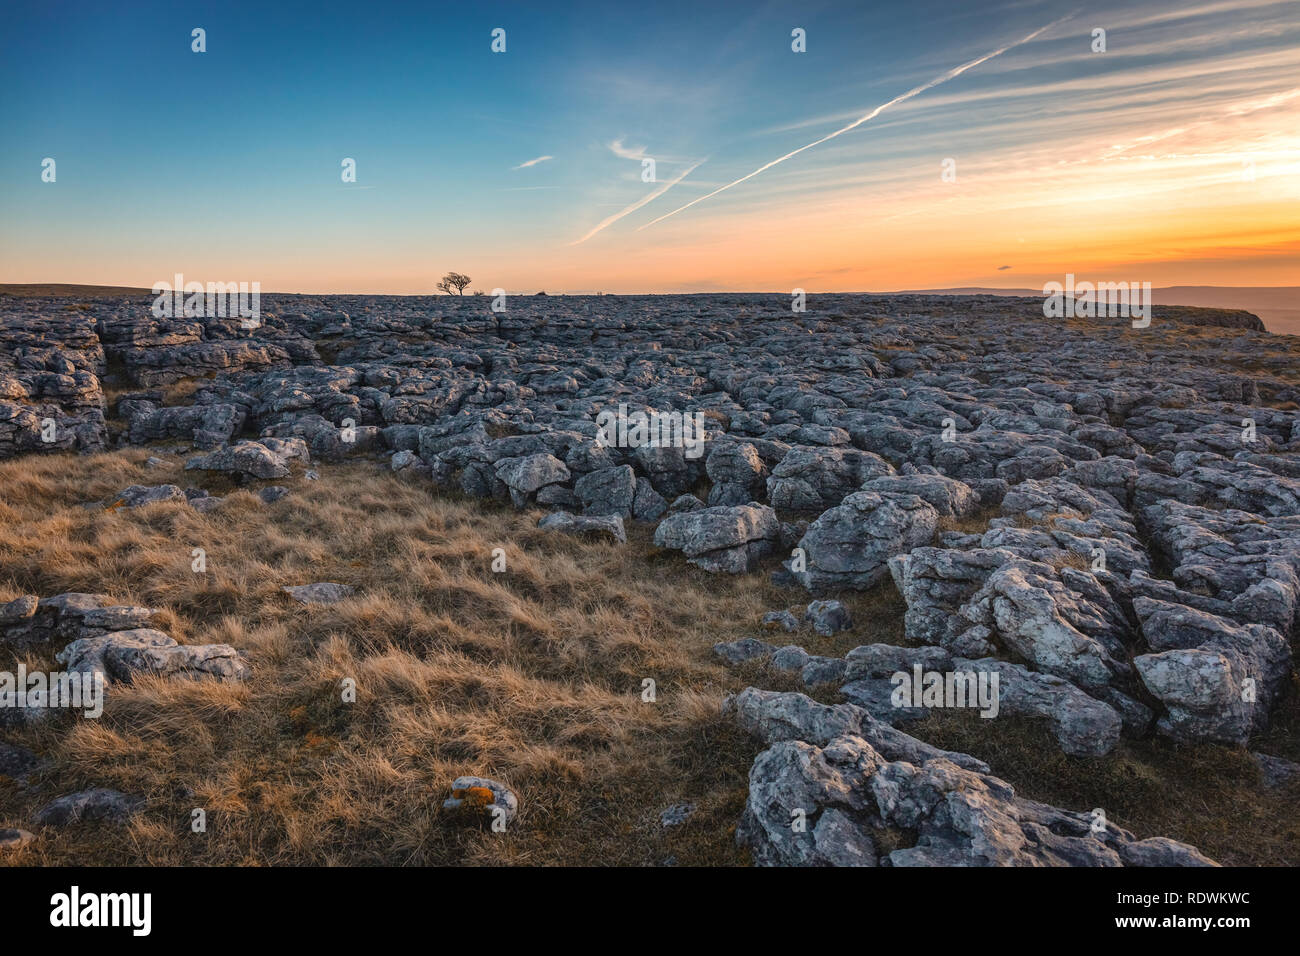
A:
[1218,680]
[112,640]
[830,782]
[121,655]
[33,621]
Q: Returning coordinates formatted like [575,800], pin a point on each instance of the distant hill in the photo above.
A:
[27,290]
[1278,306]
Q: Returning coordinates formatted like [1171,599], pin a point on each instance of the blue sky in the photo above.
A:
[225,164]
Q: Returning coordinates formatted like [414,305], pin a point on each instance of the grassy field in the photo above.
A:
[533,676]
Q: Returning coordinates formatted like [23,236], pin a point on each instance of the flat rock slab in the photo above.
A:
[98,805]
[610,526]
[875,695]
[745,649]
[322,592]
[123,617]
[120,655]
[137,496]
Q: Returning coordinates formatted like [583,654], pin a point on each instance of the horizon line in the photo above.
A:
[949,290]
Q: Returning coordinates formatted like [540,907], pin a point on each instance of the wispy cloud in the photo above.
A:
[626,152]
[1268,102]
[942,78]
[532,162]
[649,197]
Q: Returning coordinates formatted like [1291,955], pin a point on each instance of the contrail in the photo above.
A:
[532,162]
[958,71]
[636,205]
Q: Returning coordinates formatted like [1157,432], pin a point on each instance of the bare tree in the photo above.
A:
[454,282]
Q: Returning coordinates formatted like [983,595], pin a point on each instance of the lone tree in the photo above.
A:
[454,282]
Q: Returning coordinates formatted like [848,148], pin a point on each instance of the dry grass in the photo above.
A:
[976,523]
[532,676]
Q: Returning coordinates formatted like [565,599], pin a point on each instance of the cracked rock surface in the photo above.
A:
[1106,517]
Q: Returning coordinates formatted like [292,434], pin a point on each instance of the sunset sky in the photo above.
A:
[1173,157]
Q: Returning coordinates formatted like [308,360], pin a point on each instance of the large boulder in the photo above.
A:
[849,546]
[737,473]
[1218,680]
[607,491]
[723,539]
[935,582]
[525,475]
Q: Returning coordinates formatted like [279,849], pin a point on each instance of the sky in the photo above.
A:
[913,144]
